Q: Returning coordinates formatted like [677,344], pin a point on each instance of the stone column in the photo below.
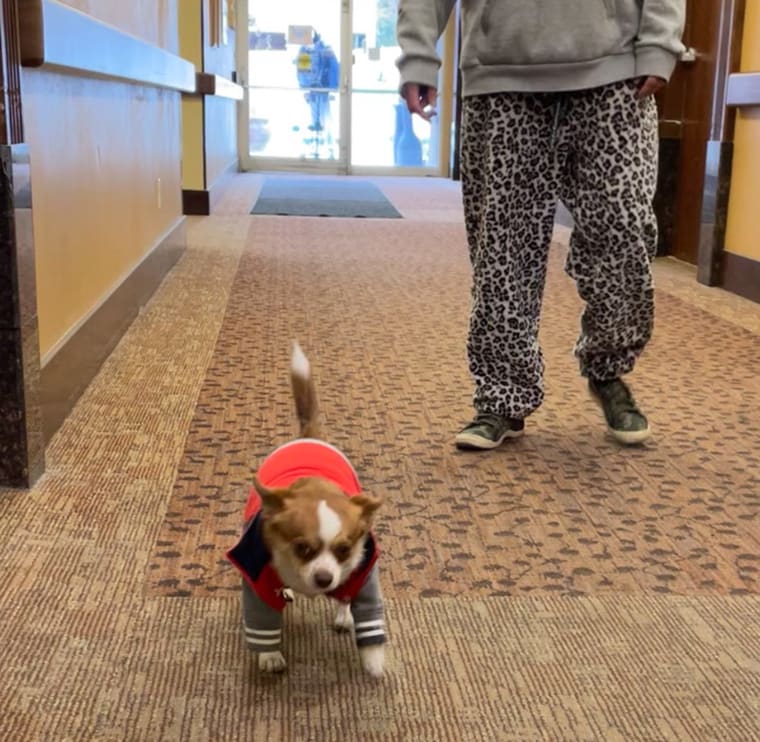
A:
[22,450]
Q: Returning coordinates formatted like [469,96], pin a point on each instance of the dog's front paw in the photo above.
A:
[344,621]
[373,660]
[272,662]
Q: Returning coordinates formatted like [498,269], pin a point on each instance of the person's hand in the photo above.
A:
[650,86]
[420,99]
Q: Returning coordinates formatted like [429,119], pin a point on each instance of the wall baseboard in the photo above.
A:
[196,203]
[69,372]
[200,203]
[741,276]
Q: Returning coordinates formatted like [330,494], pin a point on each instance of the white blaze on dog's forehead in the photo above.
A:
[330,523]
[299,363]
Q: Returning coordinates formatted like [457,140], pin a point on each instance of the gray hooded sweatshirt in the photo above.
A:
[543,45]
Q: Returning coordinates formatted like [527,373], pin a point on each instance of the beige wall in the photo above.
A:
[743,213]
[152,20]
[101,152]
[221,137]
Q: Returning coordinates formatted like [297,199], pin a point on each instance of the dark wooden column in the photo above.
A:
[696,132]
[21,444]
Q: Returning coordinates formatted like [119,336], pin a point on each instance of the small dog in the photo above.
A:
[307,530]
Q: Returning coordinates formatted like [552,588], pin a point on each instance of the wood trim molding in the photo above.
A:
[743,89]
[57,37]
[31,32]
[221,87]
[741,276]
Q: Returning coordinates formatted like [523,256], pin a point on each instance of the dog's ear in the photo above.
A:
[368,504]
[272,500]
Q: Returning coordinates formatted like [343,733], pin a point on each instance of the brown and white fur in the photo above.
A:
[314,532]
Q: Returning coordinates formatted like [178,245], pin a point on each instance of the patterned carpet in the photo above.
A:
[557,589]
[562,511]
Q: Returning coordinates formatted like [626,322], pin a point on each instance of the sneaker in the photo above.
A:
[625,421]
[489,431]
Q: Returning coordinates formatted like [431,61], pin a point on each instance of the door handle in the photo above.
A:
[689,56]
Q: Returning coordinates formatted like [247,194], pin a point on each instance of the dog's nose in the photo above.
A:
[323,578]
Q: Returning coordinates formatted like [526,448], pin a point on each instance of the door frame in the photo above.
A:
[342,165]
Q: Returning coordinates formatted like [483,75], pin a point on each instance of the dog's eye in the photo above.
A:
[304,550]
[341,552]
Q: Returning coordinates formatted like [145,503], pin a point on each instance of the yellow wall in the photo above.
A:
[193,166]
[209,125]
[743,229]
[98,151]
[191,48]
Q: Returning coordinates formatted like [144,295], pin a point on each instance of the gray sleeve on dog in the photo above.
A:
[262,624]
[368,612]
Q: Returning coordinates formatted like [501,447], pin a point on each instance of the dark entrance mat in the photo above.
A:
[310,196]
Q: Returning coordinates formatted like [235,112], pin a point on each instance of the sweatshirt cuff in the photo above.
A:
[420,71]
[654,61]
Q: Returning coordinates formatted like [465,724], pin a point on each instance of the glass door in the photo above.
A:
[384,135]
[321,90]
[294,112]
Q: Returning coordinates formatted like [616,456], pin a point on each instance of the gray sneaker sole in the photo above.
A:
[470,442]
[630,437]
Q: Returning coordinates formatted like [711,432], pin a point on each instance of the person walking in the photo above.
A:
[558,104]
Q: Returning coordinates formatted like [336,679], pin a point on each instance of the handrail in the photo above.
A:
[221,87]
[743,89]
[57,37]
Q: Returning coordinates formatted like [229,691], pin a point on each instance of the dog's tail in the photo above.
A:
[305,394]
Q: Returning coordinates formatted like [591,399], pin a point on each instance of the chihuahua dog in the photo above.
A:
[307,530]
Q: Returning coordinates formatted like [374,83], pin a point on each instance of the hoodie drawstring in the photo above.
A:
[560,107]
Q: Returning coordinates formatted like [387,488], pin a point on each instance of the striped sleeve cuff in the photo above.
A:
[263,640]
[368,633]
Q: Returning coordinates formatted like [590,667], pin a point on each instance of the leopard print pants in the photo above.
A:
[596,151]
